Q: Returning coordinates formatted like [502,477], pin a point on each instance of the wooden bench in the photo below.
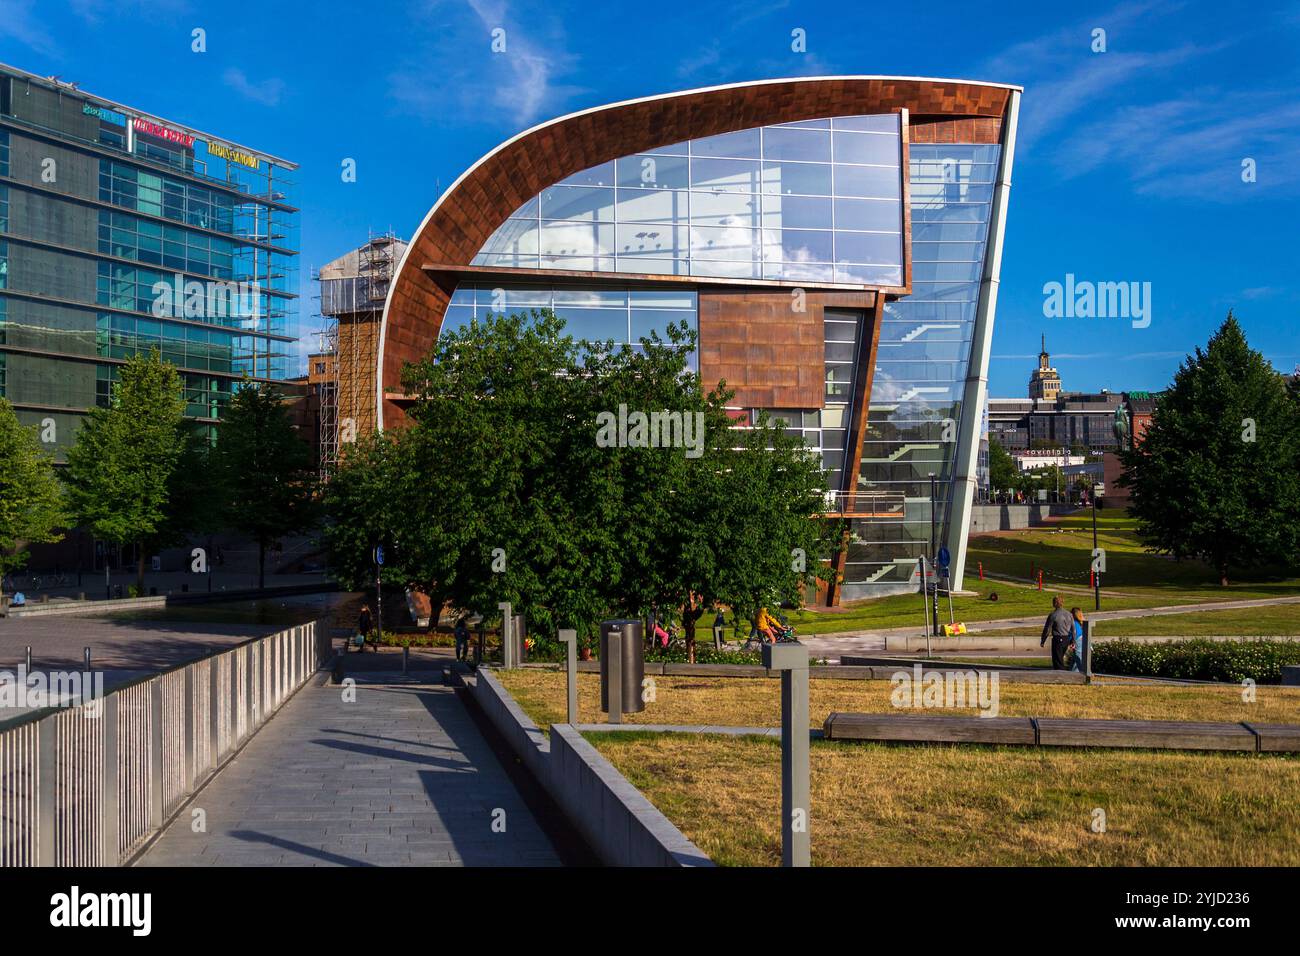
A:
[1063,732]
[930,728]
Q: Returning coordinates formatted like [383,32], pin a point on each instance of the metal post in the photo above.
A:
[86,653]
[29,660]
[1087,651]
[190,757]
[925,603]
[1096,578]
[934,548]
[792,661]
[406,657]
[46,804]
[507,636]
[108,818]
[156,768]
[614,675]
[214,710]
[478,650]
[570,637]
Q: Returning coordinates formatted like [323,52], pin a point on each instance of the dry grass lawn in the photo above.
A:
[756,702]
[875,804]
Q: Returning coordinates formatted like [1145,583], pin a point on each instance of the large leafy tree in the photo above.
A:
[31,501]
[1216,474]
[264,470]
[500,490]
[1003,473]
[124,469]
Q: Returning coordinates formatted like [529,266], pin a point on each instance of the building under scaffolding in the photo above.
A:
[352,292]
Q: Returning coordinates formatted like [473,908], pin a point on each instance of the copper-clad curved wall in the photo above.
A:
[472,209]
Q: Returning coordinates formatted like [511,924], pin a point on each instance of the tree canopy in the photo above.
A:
[1217,473]
[523,477]
[31,500]
[264,470]
[123,470]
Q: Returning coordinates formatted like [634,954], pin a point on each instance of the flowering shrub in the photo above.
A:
[1259,659]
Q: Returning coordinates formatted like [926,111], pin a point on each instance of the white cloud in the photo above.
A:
[267,92]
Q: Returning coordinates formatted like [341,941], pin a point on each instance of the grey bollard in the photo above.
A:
[623,676]
[791,659]
[29,659]
[87,656]
[1087,651]
[570,638]
[507,639]
[406,657]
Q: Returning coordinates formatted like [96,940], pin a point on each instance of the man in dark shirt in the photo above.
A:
[1060,628]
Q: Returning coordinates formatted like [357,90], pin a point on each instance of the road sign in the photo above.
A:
[379,555]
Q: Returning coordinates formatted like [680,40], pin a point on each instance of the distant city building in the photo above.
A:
[1051,418]
[1045,382]
[122,232]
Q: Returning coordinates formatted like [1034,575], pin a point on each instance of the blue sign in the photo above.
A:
[379,555]
[944,557]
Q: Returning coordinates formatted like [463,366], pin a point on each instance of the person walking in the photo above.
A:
[365,623]
[462,639]
[1059,626]
[1079,644]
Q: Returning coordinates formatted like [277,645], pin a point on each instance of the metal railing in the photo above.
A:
[87,785]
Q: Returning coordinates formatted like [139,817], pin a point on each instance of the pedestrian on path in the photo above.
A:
[1059,626]
[1078,645]
[365,623]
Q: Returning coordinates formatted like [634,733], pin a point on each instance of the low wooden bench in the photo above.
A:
[930,728]
[1153,734]
[1064,732]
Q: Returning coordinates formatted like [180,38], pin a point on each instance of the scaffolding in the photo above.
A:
[353,289]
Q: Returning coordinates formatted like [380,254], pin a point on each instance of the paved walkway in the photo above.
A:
[401,776]
[832,646]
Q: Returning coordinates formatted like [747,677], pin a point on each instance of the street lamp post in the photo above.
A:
[934,551]
[1096,575]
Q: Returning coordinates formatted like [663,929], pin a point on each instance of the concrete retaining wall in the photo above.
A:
[618,822]
[985,518]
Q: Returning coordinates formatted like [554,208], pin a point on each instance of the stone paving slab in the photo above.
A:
[400,777]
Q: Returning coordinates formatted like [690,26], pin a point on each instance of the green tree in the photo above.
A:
[264,470]
[31,501]
[122,472]
[1216,475]
[1002,467]
[501,491]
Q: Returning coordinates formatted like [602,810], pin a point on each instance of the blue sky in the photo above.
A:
[1129,166]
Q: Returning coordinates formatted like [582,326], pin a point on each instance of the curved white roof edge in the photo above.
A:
[383,322]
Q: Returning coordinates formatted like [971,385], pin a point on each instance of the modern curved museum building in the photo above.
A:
[836,242]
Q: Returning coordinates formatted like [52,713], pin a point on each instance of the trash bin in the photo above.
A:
[630,635]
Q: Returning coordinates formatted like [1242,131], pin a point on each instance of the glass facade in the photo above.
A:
[811,201]
[623,315]
[153,238]
[922,363]
[817,201]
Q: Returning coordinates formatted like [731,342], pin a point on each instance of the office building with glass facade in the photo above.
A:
[835,242]
[121,232]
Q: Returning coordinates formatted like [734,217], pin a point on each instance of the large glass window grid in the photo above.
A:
[186,346]
[4,208]
[131,288]
[597,314]
[172,247]
[819,200]
[922,361]
[4,152]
